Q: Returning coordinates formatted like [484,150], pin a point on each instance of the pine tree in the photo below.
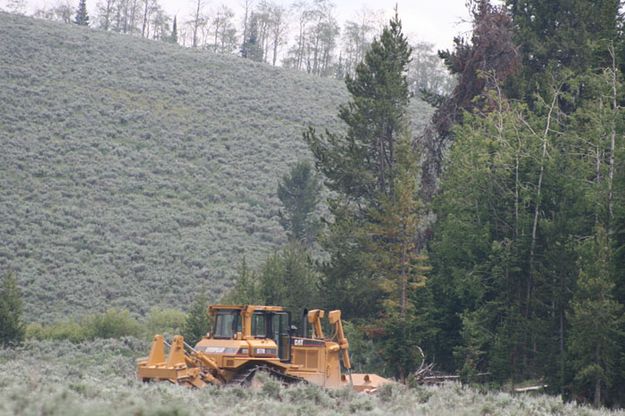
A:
[251,47]
[287,278]
[395,226]
[398,263]
[360,164]
[82,18]
[299,193]
[596,322]
[11,325]
[198,322]
[245,290]
[360,169]
[174,31]
[562,35]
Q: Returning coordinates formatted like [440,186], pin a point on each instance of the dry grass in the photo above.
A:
[97,378]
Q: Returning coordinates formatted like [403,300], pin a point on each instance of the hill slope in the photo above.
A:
[135,173]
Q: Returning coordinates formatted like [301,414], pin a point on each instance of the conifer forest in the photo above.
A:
[464,208]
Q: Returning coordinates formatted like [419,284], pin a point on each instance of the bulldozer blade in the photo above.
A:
[367,383]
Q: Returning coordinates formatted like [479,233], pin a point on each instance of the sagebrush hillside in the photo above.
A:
[135,173]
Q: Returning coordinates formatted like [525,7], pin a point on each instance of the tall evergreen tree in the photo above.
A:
[251,47]
[562,35]
[360,164]
[299,192]
[392,244]
[360,168]
[398,264]
[246,288]
[197,323]
[173,38]
[596,322]
[82,17]
[11,325]
[286,278]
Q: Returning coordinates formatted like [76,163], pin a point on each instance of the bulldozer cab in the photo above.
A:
[254,322]
[273,325]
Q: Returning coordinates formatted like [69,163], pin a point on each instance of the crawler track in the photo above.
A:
[245,377]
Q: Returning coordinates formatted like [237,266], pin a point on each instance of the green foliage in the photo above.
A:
[562,35]
[251,47]
[288,279]
[359,165]
[299,193]
[485,251]
[375,265]
[522,187]
[82,17]
[246,289]
[400,346]
[11,325]
[596,321]
[360,168]
[395,223]
[173,38]
[476,339]
[197,323]
[65,330]
[398,265]
[113,323]
[164,321]
[365,355]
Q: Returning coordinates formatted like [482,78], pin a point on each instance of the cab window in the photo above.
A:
[279,325]
[227,323]
[259,325]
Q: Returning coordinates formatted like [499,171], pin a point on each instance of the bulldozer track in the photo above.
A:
[245,378]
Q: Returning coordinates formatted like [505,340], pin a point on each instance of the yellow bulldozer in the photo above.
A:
[248,339]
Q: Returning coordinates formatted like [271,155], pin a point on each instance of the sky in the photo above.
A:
[433,21]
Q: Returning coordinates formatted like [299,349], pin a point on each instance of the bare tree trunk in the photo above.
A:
[275,50]
[517,162]
[278,15]
[196,22]
[615,108]
[247,6]
[404,279]
[597,398]
[217,27]
[127,12]
[108,9]
[133,16]
[145,17]
[537,205]
[300,42]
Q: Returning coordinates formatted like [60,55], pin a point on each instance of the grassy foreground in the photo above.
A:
[97,378]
